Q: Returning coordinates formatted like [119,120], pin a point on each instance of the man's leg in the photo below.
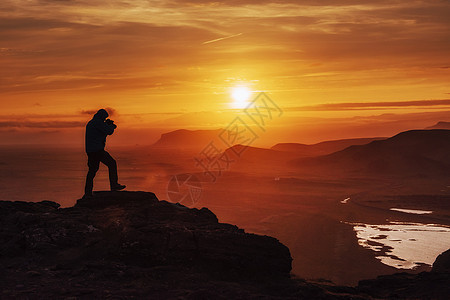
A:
[93,164]
[112,167]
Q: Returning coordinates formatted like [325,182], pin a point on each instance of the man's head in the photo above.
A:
[101,114]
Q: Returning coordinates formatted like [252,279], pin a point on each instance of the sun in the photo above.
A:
[240,94]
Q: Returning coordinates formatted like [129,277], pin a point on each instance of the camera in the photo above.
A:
[110,123]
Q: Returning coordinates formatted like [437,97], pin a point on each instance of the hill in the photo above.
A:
[410,153]
[322,148]
[440,125]
[186,139]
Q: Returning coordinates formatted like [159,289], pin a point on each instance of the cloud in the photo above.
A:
[222,38]
[88,48]
[117,56]
[372,105]
[41,124]
[111,111]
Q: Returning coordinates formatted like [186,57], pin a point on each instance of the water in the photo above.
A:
[413,211]
[345,201]
[404,245]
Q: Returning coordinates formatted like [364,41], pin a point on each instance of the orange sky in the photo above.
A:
[162,64]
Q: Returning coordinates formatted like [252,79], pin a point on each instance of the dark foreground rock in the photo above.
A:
[130,245]
[425,285]
[442,263]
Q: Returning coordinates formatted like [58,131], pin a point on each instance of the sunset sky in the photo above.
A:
[174,64]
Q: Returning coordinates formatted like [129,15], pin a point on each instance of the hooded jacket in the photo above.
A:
[96,131]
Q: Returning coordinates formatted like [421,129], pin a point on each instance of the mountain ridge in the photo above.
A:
[413,152]
[322,148]
[186,139]
[440,125]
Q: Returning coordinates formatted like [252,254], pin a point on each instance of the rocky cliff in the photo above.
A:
[130,245]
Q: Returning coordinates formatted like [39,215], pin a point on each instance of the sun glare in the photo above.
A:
[240,94]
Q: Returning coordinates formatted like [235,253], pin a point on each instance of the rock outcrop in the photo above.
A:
[130,245]
[442,263]
[425,285]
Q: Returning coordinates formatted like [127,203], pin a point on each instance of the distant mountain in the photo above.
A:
[282,153]
[410,153]
[322,148]
[440,125]
[186,139]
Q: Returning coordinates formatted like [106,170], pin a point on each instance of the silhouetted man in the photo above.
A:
[96,131]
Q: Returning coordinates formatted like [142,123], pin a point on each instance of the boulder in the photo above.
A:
[442,263]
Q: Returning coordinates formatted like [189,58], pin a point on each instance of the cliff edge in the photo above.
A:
[130,245]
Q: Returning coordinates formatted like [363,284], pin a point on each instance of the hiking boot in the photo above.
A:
[118,187]
[88,196]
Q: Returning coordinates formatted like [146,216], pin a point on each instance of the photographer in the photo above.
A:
[96,131]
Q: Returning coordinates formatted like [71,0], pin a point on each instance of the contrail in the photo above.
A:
[222,38]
